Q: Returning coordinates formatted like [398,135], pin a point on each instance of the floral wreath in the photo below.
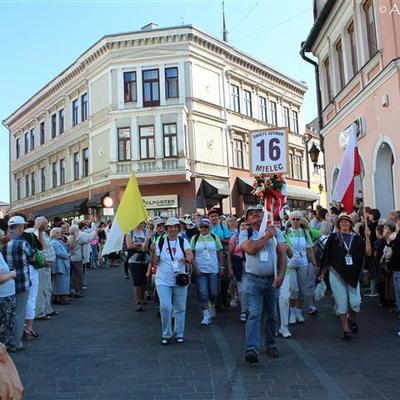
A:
[270,188]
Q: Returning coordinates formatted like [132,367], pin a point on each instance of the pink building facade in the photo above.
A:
[357,44]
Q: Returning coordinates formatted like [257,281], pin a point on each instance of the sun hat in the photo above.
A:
[158,221]
[344,216]
[204,221]
[189,222]
[16,220]
[172,221]
[257,207]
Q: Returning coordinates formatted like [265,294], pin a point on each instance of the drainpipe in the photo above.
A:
[307,162]
[319,102]
[9,161]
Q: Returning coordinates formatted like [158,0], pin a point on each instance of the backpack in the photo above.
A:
[161,241]
[196,238]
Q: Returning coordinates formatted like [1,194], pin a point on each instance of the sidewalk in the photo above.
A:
[100,348]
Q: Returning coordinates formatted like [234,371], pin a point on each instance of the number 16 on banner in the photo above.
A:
[269,151]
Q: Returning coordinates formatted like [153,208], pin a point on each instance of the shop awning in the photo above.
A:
[96,199]
[215,189]
[70,209]
[300,193]
[245,185]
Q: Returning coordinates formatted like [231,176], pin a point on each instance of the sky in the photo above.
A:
[39,39]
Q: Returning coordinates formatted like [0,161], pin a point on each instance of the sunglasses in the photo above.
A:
[204,226]
[295,219]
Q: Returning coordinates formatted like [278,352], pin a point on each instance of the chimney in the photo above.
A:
[149,27]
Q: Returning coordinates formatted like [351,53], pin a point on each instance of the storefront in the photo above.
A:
[163,205]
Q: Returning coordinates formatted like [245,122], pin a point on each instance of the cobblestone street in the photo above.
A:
[100,348]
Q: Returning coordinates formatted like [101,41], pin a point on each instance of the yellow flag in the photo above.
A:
[131,212]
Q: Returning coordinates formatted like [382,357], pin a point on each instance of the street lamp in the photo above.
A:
[314,154]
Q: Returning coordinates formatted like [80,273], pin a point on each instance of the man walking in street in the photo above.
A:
[44,310]
[261,283]
[18,254]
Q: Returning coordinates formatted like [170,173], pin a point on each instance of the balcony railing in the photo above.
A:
[150,166]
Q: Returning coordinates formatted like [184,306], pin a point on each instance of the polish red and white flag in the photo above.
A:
[350,168]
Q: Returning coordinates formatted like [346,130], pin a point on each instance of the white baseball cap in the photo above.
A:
[172,221]
[16,220]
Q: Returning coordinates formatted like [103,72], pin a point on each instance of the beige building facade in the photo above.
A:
[175,105]
[357,45]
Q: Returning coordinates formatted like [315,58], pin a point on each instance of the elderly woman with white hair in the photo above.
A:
[61,268]
[300,242]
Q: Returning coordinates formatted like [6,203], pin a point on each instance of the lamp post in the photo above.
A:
[314,154]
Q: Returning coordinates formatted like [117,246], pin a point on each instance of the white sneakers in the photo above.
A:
[295,316]
[284,331]
[206,318]
[243,317]
[212,310]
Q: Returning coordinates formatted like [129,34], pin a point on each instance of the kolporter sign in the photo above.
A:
[269,151]
[167,201]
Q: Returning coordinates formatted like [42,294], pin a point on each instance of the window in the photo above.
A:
[238,153]
[62,171]
[146,138]
[54,165]
[32,139]
[151,88]
[263,108]
[353,48]
[75,112]
[274,118]
[247,103]
[171,82]
[370,27]
[61,121]
[235,98]
[295,121]
[26,185]
[286,117]
[170,140]
[328,79]
[41,133]
[124,144]
[130,88]
[17,147]
[26,137]
[84,107]
[53,126]
[76,166]
[339,58]
[33,184]
[295,164]
[85,162]
[18,189]
[43,179]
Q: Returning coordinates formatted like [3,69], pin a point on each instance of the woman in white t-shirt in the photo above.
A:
[173,253]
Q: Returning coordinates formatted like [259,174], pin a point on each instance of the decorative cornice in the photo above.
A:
[108,43]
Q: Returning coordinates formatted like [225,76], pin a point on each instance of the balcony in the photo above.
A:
[150,167]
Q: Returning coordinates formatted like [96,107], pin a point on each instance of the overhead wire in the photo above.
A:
[244,18]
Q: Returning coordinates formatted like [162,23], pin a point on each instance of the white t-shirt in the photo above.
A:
[206,253]
[165,274]
[6,288]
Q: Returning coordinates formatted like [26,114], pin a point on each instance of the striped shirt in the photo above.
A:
[16,253]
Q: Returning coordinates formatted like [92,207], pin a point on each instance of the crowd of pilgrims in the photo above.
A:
[277,275]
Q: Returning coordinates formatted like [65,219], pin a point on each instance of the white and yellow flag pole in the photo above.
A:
[130,213]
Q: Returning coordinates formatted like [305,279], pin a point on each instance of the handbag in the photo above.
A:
[320,291]
[40,261]
[181,278]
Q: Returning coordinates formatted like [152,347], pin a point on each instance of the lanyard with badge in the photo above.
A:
[175,263]
[348,257]
[206,252]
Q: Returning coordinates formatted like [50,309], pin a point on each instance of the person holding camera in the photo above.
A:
[172,255]
[137,243]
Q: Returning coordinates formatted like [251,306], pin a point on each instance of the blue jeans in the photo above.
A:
[207,288]
[396,284]
[172,298]
[93,258]
[261,295]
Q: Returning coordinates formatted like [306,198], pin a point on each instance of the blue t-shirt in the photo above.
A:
[6,288]
[221,231]
[254,265]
